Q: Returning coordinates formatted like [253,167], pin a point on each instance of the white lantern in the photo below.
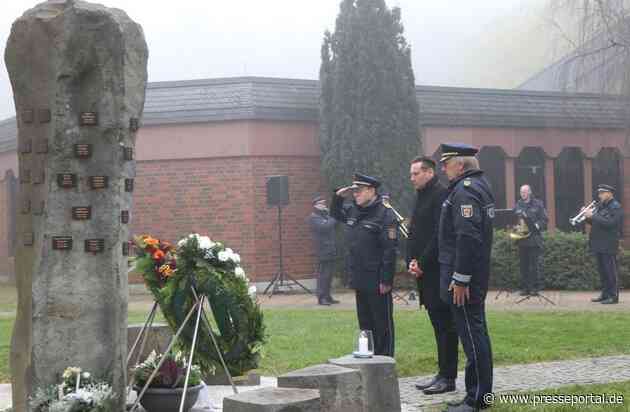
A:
[365,345]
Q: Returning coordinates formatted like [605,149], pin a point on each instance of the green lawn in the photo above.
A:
[298,338]
[622,388]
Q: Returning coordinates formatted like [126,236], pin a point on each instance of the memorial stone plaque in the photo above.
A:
[67,180]
[43,115]
[98,182]
[28,238]
[127,153]
[41,145]
[134,124]
[88,119]
[94,245]
[124,216]
[25,176]
[126,247]
[82,212]
[39,176]
[27,116]
[128,185]
[62,242]
[83,150]
[26,146]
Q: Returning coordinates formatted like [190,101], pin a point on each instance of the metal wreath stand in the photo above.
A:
[144,332]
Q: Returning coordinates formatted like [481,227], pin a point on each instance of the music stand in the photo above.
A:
[282,279]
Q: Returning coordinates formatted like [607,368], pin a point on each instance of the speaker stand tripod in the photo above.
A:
[282,279]
[538,295]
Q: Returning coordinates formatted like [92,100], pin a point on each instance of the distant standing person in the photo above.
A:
[323,230]
[530,249]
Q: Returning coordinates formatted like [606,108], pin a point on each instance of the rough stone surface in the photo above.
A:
[274,400]
[340,388]
[379,379]
[65,58]
[159,335]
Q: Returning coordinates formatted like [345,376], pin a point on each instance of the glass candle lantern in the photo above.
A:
[364,345]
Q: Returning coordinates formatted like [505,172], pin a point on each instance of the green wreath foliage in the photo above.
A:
[198,264]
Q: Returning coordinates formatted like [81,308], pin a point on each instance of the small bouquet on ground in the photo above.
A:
[78,392]
[172,372]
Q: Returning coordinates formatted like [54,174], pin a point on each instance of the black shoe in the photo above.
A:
[324,303]
[427,384]
[598,299]
[333,301]
[610,301]
[441,386]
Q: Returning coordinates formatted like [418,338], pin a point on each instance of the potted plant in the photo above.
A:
[165,391]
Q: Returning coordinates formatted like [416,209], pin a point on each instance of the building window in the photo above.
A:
[530,170]
[569,182]
[607,169]
[492,162]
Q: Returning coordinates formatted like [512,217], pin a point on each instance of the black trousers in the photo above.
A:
[445,337]
[530,262]
[607,267]
[376,313]
[473,333]
[324,278]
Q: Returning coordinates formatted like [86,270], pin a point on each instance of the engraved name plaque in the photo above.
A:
[127,153]
[82,212]
[88,119]
[98,182]
[128,185]
[27,116]
[126,247]
[26,146]
[94,245]
[67,180]
[43,115]
[62,242]
[83,150]
[134,124]
[25,176]
[41,145]
[124,216]
[28,238]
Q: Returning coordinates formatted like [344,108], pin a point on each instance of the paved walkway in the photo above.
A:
[530,377]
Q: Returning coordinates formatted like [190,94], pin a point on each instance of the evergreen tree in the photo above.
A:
[368,108]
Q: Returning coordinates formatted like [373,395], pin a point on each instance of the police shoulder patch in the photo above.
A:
[467,182]
[467,211]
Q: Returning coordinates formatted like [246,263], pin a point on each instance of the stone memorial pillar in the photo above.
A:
[78,72]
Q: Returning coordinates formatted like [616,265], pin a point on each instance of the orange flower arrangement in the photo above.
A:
[158,255]
[162,253]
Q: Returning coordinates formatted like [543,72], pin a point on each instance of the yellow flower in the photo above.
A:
[166,270]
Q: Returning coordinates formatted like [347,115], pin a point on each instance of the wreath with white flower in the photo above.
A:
[170,273]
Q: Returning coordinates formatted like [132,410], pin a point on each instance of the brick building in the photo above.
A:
[206,147]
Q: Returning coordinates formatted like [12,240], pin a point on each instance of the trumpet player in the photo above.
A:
[373,237]
[530,248]
[605,221]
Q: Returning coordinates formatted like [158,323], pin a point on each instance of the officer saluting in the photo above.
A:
[372,238]
[465,243]
[606,222]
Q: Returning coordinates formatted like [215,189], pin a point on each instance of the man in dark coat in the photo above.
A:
[606,225]
[530,249]
[465,245]
[422,258]
[372,238]
[323,231]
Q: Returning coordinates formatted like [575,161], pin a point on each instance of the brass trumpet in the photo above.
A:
[581,217]
[404,231]
[521,231]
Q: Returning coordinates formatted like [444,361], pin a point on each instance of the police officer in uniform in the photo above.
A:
[323,231]
[530,249]
[465,243]
[422,258]
[606,220]
[372,238]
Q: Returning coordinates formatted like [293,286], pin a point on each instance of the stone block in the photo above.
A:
[159,336]
[340,388]
[380,381]
[274,400]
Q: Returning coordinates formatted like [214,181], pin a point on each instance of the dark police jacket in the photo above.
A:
[536,219]
[465,235]
[323,230]
[372,237]
[606,228]
[422,243]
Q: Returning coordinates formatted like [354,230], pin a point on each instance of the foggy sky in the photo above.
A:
[192,39]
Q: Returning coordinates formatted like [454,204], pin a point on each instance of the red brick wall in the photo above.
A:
[225,198]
